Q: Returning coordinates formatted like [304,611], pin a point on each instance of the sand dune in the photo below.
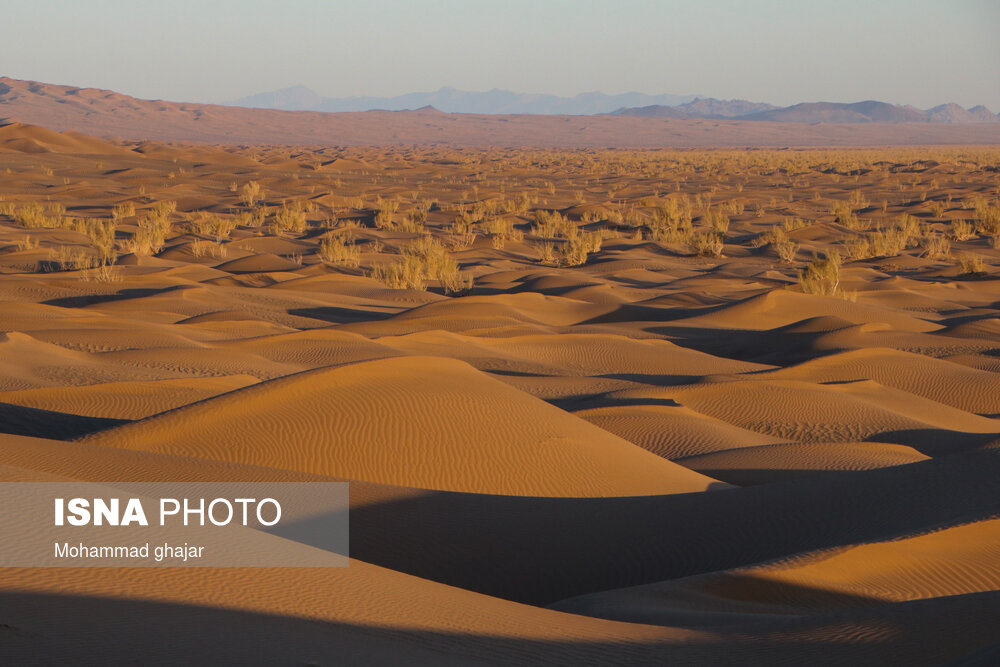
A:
[314,422]
[556,381]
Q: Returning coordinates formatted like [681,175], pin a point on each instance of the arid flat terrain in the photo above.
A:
[596,406]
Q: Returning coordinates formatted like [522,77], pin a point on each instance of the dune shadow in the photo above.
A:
[48,628]
[38,423]
[339,315]
[605,543]
[121,295]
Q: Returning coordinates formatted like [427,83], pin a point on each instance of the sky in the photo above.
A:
[920,52]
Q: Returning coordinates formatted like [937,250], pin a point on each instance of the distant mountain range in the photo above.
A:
[814,112]
[496,101]
[450,100]
[107,114]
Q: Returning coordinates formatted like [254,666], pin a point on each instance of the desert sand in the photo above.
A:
[595,406]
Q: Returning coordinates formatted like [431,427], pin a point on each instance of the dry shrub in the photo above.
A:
[405,273]
[937,246]
[290,218]
[786,249]
[125,209]
[844,215]
[502,230]
[793,223]
[971,265]
[717,221]
[163,209]
[65,258]
[251,193]
[551,225]
[575,250]
[33,214]
[252,219]
[151,235]
[208,249]
[961,230]
[546,252]
[27,243]
[424,259]
[102,235]
[706,244]
[885,242]
[337,250]
[987,218]
[822,275]
[105,273]
[217,226]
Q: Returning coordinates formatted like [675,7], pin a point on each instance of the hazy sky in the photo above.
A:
[921,52]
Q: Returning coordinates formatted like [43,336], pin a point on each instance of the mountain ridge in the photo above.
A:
[452,100]
[108,114]
[867,111]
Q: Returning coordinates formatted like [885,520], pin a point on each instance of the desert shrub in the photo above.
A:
[210,224]
[460,241]
[971,265]
[125,209]
[337,250]
[105,273]
[717,221]
[546,252]
[406,273]
[251,193]
[102,236]
[551,224]
[149,237]
[253,219]
[786,249]
[424,259]
[987,218]
[27,243]
[961,230]
[290,218]
[203,248]
[465,223]
[792,223]
[858,200]
[885,242]
[844,215]
[65,258]
[164,208]
[32,214]
[502,230]
[575,250]
[822,275]
[385,209]
[937,246]
[706,244]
